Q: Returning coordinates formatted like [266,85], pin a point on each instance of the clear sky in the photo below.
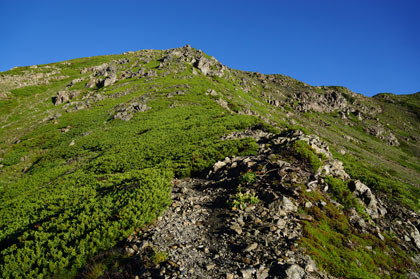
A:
[368,46]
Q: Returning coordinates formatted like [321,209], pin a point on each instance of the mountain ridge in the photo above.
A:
[85,140]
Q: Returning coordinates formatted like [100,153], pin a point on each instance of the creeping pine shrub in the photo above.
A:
[158,257]
[305,152]
[339,190]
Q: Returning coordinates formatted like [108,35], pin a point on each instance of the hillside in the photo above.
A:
[166,163]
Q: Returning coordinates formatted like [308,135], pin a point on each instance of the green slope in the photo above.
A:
[75,179]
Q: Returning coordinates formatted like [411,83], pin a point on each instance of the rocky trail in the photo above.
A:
[204,238]
[214,229]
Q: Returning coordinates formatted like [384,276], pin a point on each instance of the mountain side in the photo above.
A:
[268,176]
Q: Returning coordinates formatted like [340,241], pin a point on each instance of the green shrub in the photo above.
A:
[158,257]
[339,190]
[305,152]
[94,216]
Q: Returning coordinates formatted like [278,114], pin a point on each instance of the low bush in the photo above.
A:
[305,152]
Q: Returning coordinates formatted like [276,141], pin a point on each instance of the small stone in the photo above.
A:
[304,217]
[281,223]
[229,276]
[246,273]
[218,165]
[250,247]
[262,272]
[236,228]
[416,237]
[129,251]
[308,204]
[210,266]
[381,237]
[283,206]
[310,266]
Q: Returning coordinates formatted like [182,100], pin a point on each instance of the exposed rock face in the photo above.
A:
[327,102]
[105,75]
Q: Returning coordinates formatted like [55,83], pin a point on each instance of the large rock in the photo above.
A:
[109,80]
[203,65]
[364,193]
[64,96]
[295,272]
[282,206]
[415,235]
[91,83]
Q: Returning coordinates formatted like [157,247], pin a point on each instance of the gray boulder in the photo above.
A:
[295,272]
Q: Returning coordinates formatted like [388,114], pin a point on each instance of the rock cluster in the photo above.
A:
[126,111]
[28,77]
[64,96]
[105,75]
[383,134]
[207,65]
[327,102]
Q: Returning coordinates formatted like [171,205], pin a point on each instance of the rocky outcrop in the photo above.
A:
[383,134]
[65,96]
[28,77]
[126,111]
[327,102]
[105,75]
[207,65]
[75,81]
[365,195]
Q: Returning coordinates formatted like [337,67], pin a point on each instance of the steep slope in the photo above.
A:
[89,148]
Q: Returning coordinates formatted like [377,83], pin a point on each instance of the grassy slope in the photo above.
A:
[61,203]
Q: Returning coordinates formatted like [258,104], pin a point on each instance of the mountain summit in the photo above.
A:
[168,164]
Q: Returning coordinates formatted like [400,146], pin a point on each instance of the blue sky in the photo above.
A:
[367,46]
